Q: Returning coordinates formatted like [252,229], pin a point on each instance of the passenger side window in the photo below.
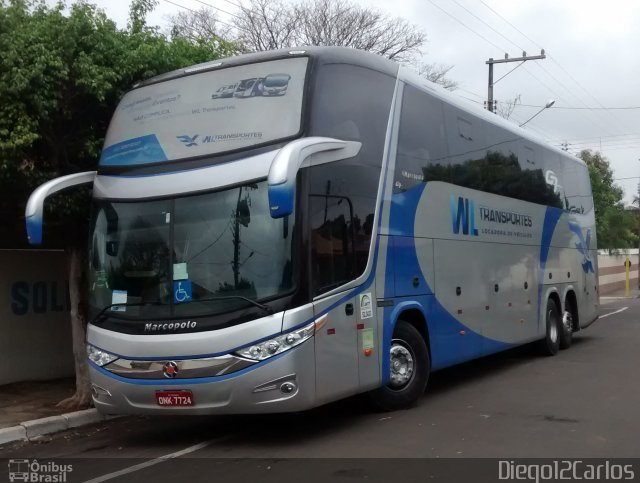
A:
[577,192]
[332,242]
[421,139]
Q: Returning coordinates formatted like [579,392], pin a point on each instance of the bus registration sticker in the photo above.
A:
[366,307]
[174,398]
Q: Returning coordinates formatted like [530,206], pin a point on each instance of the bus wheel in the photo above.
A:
[566,333]
[551,343]
[409,367]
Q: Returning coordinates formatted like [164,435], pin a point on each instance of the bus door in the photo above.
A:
[345,351]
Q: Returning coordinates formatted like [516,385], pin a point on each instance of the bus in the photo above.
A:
[352,236]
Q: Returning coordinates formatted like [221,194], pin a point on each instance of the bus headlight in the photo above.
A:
[277,345]
[99,357]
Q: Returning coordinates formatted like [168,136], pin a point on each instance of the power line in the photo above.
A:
[471,92]
[465,25]
[500,48]
[551,58]
[234,4]
[219,9]
[583,108]
[181,6]
[194,11]
[475,16]
[521,48]
[603,137]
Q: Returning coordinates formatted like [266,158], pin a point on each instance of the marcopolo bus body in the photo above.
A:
[351,234]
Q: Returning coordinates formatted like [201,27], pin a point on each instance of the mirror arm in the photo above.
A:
[295,155]
[35,206]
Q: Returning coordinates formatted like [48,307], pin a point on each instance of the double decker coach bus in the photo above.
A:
[352,235]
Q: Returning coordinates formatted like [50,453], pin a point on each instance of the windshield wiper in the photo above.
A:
[264,307]
[102,314]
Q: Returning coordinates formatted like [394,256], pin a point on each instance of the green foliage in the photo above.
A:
[615,226]
[62,73]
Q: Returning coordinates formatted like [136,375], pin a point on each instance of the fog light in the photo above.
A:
[288,387]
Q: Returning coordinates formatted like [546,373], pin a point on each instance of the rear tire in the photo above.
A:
[409,367]
[551,343]
[566,333]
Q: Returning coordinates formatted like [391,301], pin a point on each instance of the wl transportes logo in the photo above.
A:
[188,140]
[463,213]
[494,221]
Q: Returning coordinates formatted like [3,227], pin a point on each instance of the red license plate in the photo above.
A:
[174,398]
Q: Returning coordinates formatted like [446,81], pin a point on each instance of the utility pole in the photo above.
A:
[490,102]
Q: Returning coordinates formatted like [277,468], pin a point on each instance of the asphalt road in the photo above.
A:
[582,403]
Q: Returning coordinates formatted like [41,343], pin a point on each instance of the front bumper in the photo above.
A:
[256,389]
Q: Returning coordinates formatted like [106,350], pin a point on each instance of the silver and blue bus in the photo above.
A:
[351,235]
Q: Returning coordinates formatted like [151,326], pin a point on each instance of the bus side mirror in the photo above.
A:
[35,205]
[298,154]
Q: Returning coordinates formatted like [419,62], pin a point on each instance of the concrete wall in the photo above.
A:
[35,330]
[611,271]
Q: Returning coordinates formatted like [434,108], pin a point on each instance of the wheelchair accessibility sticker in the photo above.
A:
[182,291]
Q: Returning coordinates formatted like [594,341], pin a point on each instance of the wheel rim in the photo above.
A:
[402,364]
[567,321]
[553,328]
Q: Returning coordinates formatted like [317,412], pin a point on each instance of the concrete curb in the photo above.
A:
[29,430]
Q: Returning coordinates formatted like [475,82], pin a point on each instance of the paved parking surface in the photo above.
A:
[581,403]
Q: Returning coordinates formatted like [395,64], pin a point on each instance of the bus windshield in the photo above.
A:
[207,113]
[175,254]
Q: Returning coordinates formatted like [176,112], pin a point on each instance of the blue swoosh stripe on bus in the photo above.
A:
[551,218]
[446,351]
[140,150]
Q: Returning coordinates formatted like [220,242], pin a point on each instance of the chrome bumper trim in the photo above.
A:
[183,369]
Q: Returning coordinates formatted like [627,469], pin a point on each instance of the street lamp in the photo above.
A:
[546,106]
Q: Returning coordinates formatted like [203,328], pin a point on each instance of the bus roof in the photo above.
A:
[326,55]
[347,55]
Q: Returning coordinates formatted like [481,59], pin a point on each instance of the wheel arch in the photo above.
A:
[551,293]
[413,313]
[571,303]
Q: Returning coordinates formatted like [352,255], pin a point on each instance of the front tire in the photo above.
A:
[551,343]
[409,367]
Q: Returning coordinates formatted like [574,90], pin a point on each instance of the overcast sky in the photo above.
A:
[592,62]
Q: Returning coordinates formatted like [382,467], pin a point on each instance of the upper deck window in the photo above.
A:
[207,113]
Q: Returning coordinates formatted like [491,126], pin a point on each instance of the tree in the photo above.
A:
[615,227]
[62,77]
[436,73]
[203,28]
[505,109]
[274,24]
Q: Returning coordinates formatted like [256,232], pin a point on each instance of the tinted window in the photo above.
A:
[353,103]
[577,188]
[352,187]
[421,138]
[471,152]
[332,241]
[350,103]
